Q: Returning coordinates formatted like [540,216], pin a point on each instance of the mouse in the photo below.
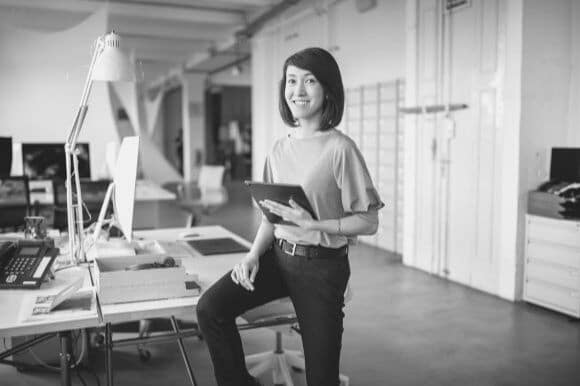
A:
[187,235]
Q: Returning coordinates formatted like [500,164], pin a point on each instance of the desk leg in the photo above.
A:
[109,353]
[65,350]
[183,353]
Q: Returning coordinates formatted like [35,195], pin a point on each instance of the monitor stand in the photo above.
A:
[113,246]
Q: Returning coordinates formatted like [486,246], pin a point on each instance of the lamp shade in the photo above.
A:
[112,64]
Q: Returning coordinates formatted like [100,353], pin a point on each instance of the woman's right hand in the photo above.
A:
[245,271]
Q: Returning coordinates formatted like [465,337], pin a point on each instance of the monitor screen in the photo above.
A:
[5,156]
[124,180]
[565,164]
[47,160]
[13,191]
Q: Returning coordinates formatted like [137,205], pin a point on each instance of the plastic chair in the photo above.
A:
[280,360]
[202,196]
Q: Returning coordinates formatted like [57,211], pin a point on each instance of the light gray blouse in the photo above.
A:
[334,176]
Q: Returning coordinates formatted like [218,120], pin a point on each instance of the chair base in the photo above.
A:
[280,363]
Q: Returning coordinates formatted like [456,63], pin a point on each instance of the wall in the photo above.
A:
[369,47]
[193,124]
[42,77]
[573,135]
[550,95]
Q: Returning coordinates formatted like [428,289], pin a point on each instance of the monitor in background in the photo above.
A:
[14,201]
[47,160]
[565,164]
[5,156]
[122,189]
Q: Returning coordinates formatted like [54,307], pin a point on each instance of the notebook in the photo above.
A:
[217,246]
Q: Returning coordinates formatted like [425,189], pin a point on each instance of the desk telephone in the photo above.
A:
[25,263]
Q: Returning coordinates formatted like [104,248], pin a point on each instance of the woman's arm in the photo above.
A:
[365,223]
[356,224]
[263,239]
[245,271]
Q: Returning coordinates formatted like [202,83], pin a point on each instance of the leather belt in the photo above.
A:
[311,251]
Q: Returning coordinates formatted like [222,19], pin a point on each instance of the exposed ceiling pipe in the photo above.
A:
[254,26]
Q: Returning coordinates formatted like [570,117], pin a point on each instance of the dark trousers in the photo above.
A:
[316,288]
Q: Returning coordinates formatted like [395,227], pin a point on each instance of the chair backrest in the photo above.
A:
[211,176]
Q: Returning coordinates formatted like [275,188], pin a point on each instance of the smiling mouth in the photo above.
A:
[300,102]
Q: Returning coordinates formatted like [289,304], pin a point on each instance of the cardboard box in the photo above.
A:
[545,204]
[117,283]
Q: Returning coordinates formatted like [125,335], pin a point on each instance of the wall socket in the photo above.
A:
[540,164]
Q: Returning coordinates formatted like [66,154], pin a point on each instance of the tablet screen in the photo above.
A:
[281,193]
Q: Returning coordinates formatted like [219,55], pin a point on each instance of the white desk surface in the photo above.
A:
[208,269]
[146,190]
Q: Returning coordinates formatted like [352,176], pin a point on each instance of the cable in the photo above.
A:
[50,367]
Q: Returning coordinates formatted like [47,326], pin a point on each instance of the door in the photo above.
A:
[460,56]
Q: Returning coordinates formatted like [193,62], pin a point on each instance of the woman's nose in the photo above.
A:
[300,89]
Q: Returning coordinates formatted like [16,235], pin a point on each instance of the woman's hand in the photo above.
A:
[245,271]
[293,213]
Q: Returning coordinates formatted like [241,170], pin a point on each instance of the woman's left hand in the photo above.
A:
[293,213]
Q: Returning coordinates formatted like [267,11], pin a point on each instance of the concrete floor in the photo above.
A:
[403,327]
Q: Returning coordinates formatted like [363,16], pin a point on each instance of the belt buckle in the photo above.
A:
[291,253]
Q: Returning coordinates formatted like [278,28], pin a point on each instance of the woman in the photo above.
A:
[309,261]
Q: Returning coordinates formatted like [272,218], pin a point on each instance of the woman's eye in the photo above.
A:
[290,81]
[311,81]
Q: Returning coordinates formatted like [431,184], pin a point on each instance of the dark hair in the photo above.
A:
[325,69]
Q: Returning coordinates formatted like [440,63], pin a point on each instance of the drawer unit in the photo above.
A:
[552,264]
[552,297]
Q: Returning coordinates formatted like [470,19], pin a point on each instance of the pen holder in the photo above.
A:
[34,227]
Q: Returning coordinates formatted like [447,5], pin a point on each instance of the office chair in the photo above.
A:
[202,196]
[280,360]
[14,201]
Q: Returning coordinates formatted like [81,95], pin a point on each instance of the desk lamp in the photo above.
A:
[110,64]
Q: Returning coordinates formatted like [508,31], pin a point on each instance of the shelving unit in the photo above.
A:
[552,264]
[373,120]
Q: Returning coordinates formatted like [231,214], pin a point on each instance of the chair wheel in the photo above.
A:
[144,355]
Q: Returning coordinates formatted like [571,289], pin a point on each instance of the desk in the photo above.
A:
[149,201]
[208,269]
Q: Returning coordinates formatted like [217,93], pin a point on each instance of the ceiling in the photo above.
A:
[194,35]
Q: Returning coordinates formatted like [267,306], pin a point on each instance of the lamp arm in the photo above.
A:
[82,112]
[80,206]
[69,148]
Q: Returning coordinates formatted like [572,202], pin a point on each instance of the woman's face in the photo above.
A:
[304,94]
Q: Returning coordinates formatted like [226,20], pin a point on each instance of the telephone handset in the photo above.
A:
[25,263]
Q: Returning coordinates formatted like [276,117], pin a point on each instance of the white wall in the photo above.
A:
[42,77]
[550,96]
[369,47]
[573,134]
[193,123]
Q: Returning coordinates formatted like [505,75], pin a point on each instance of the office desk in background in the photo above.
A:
[208,270]
[150,202]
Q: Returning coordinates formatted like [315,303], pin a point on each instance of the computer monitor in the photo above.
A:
[14,201]
[565,164]
[5,156]
[122,188]
[47,160]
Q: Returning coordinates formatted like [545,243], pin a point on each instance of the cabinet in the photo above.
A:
[552,264]
[373,121]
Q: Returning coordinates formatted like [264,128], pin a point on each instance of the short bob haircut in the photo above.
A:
[325,69]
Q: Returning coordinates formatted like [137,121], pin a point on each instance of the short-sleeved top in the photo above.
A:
[333,173]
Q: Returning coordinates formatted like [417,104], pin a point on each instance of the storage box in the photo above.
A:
[117,282]
[545,204]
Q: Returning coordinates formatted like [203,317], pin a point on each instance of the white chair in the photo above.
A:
[280,361]
[204,195]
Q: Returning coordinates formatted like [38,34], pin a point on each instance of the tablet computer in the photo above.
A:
[281,193]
